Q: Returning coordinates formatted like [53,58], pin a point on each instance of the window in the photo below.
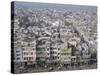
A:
[25,53]
[47,49]
[17,54]
[18,58]
[58,48]
[31,53]
[43,42]
[23,49]
[52,52]
[51,48]
[55,52]
[30,58]
[17,51]
[28,44]
[55,57]
[25,58]
[48,53]
[54,37]
[33,48]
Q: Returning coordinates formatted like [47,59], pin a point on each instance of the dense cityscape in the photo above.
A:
[53,39]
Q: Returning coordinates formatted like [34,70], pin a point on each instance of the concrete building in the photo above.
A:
[65,54]
[17,55]
[54,46]
[43,49]
[29,51]
[17,51]
[74,41]
[29,54]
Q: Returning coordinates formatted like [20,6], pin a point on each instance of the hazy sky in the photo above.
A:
[57,6]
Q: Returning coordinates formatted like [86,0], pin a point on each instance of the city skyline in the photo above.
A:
[53,37]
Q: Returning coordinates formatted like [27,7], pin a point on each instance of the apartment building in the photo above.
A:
[17,51]
[29,51]
[43,49]
[54,46]
[74,41]
[65,54]
[17,55]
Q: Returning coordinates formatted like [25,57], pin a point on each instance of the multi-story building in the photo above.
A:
[82,53]
[65,54]
[17,52]
[54,53]
[29,54]
[17,55]
[54,46]
[43,49]
[74,41]
[29,51]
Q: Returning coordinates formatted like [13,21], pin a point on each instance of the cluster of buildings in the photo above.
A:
[52,36]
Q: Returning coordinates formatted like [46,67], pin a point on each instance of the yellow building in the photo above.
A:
[65,54]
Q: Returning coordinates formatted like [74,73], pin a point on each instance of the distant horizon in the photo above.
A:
[55,6]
